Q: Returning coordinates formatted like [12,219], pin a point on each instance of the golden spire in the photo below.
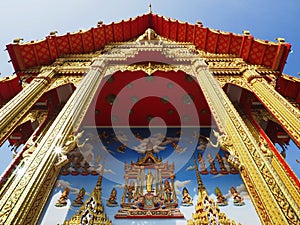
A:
[92,207]
[201,187]
[206,210]
[150,8]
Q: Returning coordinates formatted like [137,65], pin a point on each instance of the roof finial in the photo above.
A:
[150,8]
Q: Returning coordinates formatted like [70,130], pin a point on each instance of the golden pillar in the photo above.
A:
[273,202]
[17,107]
[24,199]
[286,114]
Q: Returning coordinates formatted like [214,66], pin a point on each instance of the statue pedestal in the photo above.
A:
[149,214]
[149,206]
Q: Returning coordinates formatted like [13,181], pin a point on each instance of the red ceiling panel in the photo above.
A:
[235,44]
[88,42]
[134,28]
[28,55]
[99,37]
[118,32]
[9,87]
[76,43]
[256,52]
[288,87]
[52,47]
[173,30]
[200,36]
[144,22]
[127,30]
[158,25]
[154,23]
[246,46]
[223,43]
[269,55]
[109,33]
[166,27]
[136,86]
[63,46]
[292,90]
[190,33]
[212,40]
[181,34]
[42,52]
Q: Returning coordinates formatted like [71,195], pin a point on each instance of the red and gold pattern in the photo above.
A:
[28,55]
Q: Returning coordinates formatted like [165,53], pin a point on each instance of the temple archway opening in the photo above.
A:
[263,124]
[31,128]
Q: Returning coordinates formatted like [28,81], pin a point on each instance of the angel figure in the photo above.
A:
[222,141]
[73,142]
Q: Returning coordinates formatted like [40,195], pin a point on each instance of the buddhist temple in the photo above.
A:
[150,119]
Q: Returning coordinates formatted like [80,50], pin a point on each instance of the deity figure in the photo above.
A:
[149,181]
[203,169]
[78,201]
[231,167]
[112,200]
[237,198]
[222,141]
[221,200]
[186,198]
[213,169]
[73,142]
[62,201]
[149,35]
[222,165]
[168,191]
[130,190]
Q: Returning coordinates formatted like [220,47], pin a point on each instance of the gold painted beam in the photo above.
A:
[16,205]
[273,202]
[286,114]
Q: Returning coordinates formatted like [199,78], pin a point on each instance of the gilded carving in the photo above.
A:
[151,68]
[256,169]
[62,80]
[286,113]
[17,107]
[262,163]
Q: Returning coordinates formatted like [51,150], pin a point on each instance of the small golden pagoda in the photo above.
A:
[206,210]
[92,211]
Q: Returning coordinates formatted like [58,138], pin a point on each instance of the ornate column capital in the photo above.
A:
[251,75]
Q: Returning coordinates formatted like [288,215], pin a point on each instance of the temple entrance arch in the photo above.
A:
[232,135]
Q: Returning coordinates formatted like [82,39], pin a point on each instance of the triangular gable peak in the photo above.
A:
[45,52]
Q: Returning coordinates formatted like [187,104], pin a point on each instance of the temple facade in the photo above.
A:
[81,105]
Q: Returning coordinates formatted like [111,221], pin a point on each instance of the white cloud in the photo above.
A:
[190,168]
[65,184]
[159,142]
[119,186]
[59,212]
[87,152]
[179,185]
[109,171]
[218,175]
[180,150]
[121,137]
[226,164]
[241,189]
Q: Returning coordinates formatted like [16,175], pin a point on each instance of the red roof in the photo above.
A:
[39,53]
[9,87]
[289,87]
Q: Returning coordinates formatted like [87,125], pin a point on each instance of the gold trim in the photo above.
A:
[283,111]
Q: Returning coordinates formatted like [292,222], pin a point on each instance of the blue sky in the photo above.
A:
[34,19]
